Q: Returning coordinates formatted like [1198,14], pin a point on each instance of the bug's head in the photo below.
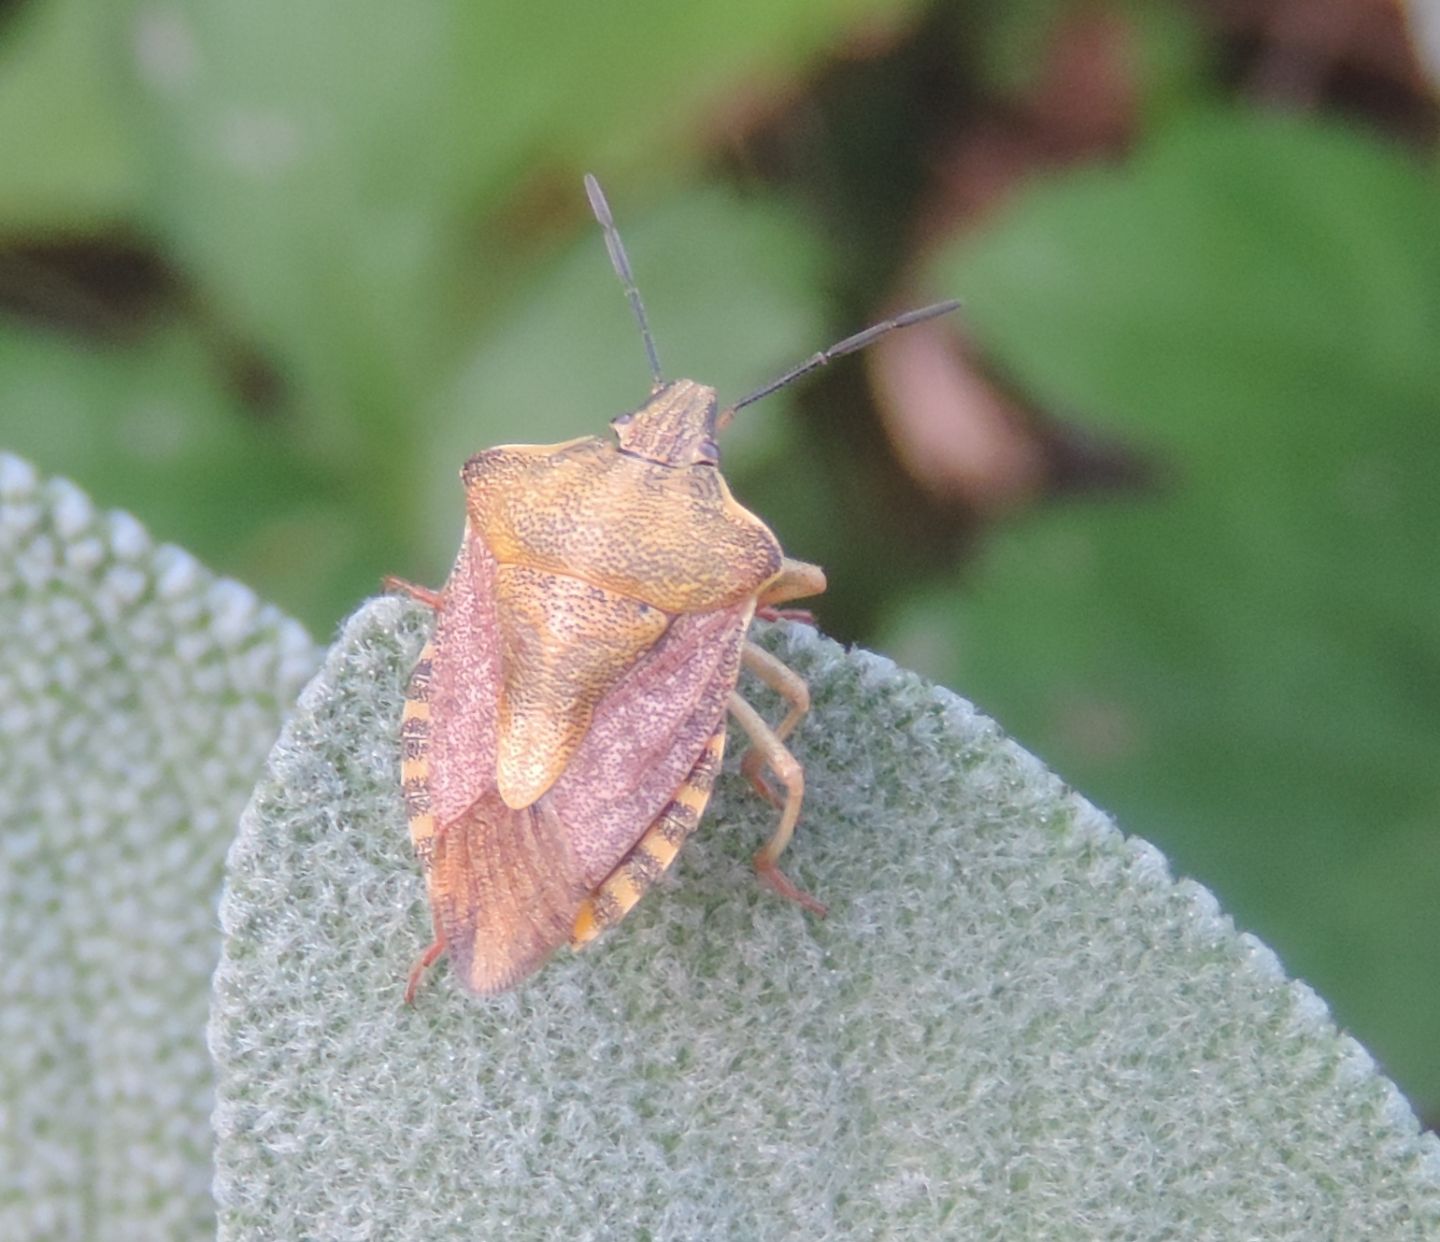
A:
[676,427]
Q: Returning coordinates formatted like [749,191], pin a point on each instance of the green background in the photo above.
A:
[268,273]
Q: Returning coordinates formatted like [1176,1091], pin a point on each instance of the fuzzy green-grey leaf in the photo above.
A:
[1013,1023]
[138,694]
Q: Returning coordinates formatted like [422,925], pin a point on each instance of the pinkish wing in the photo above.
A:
[646,736]
[505,885]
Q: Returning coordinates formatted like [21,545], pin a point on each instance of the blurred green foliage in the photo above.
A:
[369,255]
[1246,661]
[320,182]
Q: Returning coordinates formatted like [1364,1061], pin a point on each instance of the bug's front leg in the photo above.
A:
[399,586]
[787,768]
[796,580]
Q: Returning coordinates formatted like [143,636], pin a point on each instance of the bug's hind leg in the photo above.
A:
[773,754]
[423,963]
[650,856]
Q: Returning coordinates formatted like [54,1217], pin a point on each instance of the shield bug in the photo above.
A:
[565,724]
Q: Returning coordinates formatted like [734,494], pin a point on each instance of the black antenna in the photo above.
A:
[848,346]
[621,264]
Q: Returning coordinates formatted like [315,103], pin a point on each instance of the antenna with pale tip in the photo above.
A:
[848,346]
[621,263]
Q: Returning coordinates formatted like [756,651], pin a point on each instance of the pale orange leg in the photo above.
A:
[422,964]
[431,599]
[796,580]
[425,961]
[803,615]
[792,776]
[791,687]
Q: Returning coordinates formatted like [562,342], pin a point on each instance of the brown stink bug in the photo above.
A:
[564,726]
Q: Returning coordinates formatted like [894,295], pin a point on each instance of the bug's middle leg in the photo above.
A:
[787,768]
[791,687]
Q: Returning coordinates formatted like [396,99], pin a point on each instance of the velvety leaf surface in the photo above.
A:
[138,695]
[1013,1023]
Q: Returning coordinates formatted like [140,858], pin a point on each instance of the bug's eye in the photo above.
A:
[708,452]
